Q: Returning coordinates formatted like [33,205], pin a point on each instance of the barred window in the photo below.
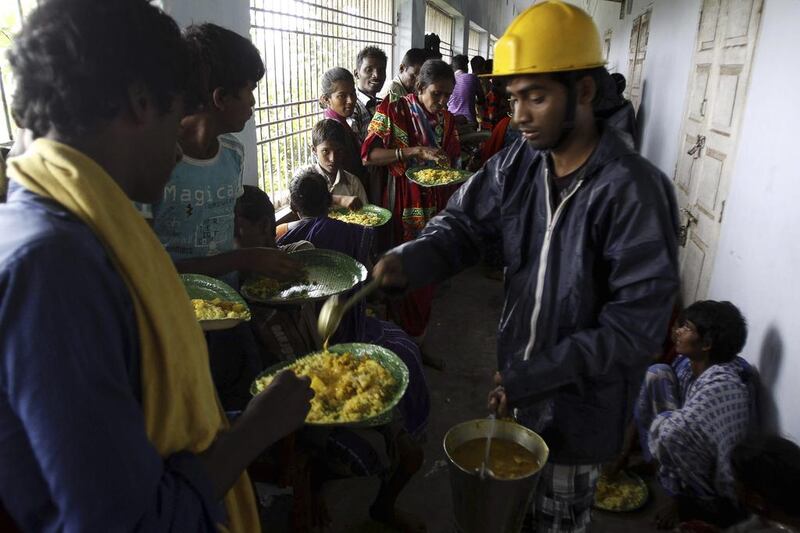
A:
[440,23]
[11,15]
[299,40]
[474,45]
[492,41]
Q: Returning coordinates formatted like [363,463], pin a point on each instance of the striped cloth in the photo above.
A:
[564,499]
[691,425]
[462,101]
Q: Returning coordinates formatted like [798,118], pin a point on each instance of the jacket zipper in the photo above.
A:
[552,220]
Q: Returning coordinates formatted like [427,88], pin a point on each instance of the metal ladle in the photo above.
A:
[333,310]
[484,470]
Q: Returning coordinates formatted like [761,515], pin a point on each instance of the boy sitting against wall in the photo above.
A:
[766,470]
[692,413]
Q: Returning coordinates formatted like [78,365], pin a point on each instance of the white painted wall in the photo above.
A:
[757,257]
[757,261]
[673,29]
[234,15]
[409,29]
[491,15]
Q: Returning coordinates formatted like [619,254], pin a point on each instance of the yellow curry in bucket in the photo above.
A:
[507,459]
[492,502]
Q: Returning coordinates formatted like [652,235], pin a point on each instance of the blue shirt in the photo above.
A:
[74,455]
[195,217]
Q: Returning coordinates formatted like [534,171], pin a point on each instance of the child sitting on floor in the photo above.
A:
[767,474]
[290,331]
[311,199]
[692,414]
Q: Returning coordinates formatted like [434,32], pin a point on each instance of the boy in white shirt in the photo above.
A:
[345,187]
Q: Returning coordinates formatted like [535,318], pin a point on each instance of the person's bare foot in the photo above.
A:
[402,521]
[667,517]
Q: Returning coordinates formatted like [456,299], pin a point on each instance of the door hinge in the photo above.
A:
[721,211]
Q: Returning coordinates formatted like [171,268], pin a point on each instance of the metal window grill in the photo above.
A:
[299,40]
[492,41]
[11,17]
[440,23]
[474,45]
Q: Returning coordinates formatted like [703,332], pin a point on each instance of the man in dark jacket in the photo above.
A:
[589,242]
[615,110]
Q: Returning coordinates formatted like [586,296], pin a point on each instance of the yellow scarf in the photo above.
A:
[181,410]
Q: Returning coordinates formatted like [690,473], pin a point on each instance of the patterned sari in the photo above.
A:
[399,124]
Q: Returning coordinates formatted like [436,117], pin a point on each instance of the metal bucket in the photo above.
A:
[491,505]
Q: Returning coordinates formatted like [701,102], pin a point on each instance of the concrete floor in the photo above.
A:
[462,331]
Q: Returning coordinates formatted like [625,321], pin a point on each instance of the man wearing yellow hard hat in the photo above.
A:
[589,229]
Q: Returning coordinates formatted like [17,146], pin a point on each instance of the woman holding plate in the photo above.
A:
[415,129]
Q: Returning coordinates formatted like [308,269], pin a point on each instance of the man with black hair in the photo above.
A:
[110,420]
[692,413]
[309,194]
[406,80]
[370,74]
[467,93]
[478,65]
[615,110]
[589,235]
[432,45]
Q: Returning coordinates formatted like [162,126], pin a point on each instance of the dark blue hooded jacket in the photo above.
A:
[589,284]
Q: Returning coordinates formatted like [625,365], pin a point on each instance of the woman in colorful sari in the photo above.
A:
[311,200]
[338,101]
[415,130]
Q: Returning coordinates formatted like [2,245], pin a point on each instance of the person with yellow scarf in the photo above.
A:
[108,416]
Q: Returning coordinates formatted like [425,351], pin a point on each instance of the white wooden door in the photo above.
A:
[637,52]
[718,86]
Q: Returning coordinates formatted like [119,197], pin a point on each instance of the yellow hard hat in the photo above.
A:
[551,36]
